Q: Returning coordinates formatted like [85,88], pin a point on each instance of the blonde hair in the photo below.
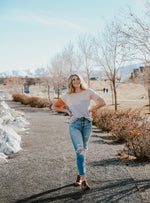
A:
[71,89]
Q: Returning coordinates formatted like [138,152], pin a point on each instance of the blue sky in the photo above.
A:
[33,31]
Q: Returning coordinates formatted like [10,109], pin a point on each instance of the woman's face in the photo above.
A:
[76,81]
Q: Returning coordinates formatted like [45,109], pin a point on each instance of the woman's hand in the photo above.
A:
[69,113]
[99,103]
[90,112]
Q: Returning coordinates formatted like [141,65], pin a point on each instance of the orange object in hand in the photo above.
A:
[59,103]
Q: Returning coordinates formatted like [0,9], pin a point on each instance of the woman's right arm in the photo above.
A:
[57,106]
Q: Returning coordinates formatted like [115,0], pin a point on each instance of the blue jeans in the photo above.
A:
[80,132]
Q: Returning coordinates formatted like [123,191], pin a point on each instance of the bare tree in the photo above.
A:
[137,34]
[16,84]
[58,72]
[110,54]
[46,80]
[69,58]
[85,45]
[145,76]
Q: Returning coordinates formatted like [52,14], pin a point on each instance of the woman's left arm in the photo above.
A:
[99,103]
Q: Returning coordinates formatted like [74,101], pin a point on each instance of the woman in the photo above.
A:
[80,126]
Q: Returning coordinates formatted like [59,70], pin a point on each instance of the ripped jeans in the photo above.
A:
[80,132]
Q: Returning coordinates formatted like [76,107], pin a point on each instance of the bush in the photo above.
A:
[126,126]
[116,121]
[138,144]
[19,98]
[122,127]
[125,122]
[32,101]
[38,102]
[104,119]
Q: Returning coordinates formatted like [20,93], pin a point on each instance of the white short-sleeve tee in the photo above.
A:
[79,103]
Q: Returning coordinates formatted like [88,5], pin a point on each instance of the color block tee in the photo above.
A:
[79,103]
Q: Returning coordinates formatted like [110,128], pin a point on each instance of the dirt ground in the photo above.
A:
[129,95]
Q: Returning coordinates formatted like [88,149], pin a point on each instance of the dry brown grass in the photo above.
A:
[129,95]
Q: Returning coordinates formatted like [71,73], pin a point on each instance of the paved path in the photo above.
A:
[44,171]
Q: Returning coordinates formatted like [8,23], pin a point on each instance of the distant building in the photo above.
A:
[136,71]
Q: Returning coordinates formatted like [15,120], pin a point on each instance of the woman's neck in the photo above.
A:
[77,90]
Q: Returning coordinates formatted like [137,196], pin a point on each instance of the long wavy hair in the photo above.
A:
[71,89]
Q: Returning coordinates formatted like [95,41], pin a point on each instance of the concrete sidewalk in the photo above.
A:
[45,170]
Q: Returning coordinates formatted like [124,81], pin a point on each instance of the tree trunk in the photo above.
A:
[112,95]
[88,73]
[115,95]
[22,89]
[71,69]
[149,98]
[48,89]
[88,77]
[58,91]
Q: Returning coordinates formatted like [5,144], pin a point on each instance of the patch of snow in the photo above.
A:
[12,123]
[18,124]
[9,140]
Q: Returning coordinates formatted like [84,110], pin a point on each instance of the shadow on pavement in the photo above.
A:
[144,187]
[130,185]
[108,139]
[94,130]
[107,162]
[117,161]
[39,197]
[112,191]
[118,190]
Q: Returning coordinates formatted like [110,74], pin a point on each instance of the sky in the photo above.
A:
[33,31]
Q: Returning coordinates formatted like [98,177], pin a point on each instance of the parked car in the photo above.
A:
[93,78]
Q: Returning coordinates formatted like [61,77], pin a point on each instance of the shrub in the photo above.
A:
[138,144]
[118,122]
[126,126]
[19,98]
[32,101]
[38,102]
[125,122]
[104,118]
[122,127]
